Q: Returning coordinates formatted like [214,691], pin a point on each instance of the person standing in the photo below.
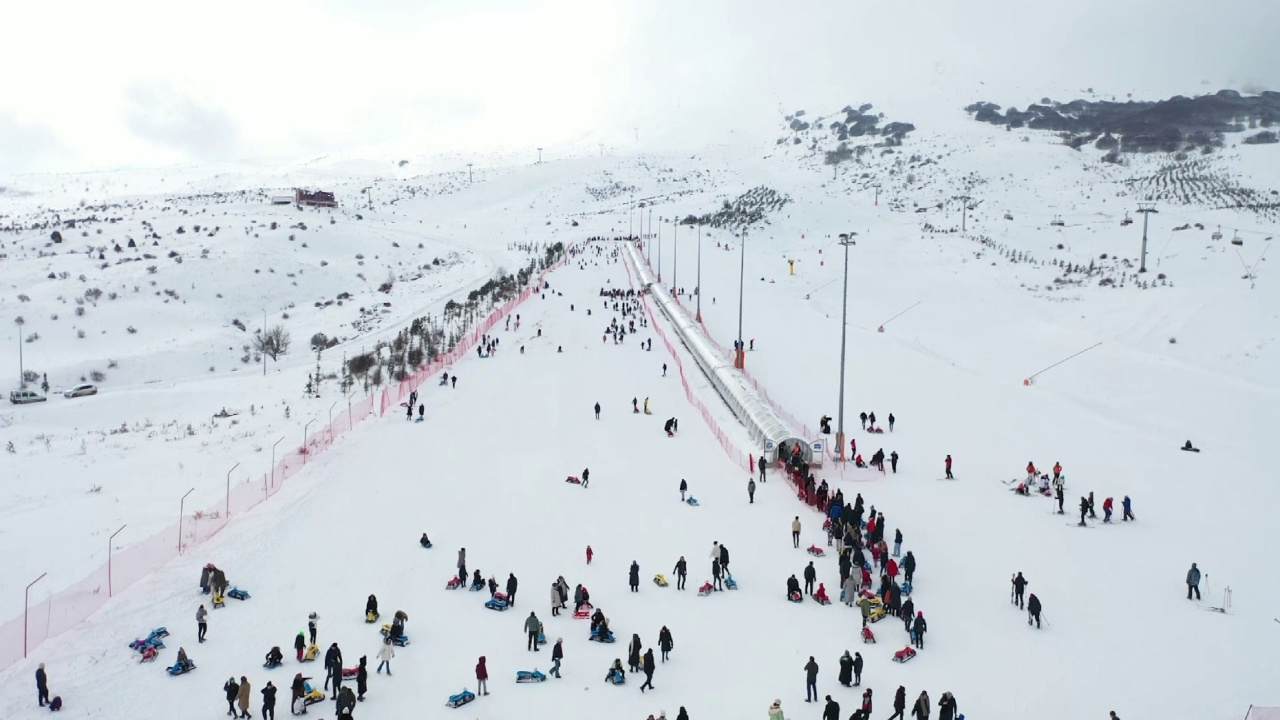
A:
[947,707]
[300,644]
[846,670]
[557,654]
[586,479]
[715,575]
[482,676]
[751,491]
[795,532]
[775,711]
[684,488]
[665,642]
[1084,510]
[531,626]
[948,466]
[863,418]
[681,570]
[589,552]
[899,704]
[761,465]
[242,697]
[1060,495]
[810,577]
[597,411]
[832,710]
[857,669]
[385,653]
[724,559]
[893,461]
[811,680]
[42,686]
[313,618]
[891,420]
[231,689]
[269,702]
[333,667]
[634,576]
[897,542]
[908,566]
[918,629]
[512,584]
[648,667]
[1128,509]
[202,623]
[1193,581]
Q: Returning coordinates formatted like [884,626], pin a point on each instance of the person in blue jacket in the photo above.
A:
[1193,581]
[1128,509]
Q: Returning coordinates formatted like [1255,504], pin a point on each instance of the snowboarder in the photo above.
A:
[948,466]
[665,642]
[1128,509]
[597,411]
[846,669]
[832,710]
[385,654]
[751,491]
[648,668]
[42,686]
[232,689]
[1033,610]
[1019,586]
[681,570]
[893,461]
[684,488]
[810,576]
[921,709]
[918,630]
[531,626]
[202,624]
[795,532]
[811,680]
[761,464]
[634,578]
[1193,581]
[512,584]
[482,677]
[557,654]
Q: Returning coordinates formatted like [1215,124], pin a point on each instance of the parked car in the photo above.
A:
[22,397]
[81,390]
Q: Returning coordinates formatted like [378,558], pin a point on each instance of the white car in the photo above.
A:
[80,391]
[22,397]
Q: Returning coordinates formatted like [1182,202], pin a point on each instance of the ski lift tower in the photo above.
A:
[1146,208]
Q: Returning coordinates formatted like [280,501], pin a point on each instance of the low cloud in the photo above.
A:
[28,147]
[170,118]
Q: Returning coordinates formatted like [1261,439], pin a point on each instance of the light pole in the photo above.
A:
[273,461]
[181,512]
[335,402]
[22,375]
[675,253]
[846,239]
[698,315]
[110,546]
[228,508]
[659,243]
[350,421]
[630,211]
[304,440]
[26,606]
[740,356]
[264,342]
[469,172]
[1146,208]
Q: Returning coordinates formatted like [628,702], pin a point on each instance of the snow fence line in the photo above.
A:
[70,606]
[756,414]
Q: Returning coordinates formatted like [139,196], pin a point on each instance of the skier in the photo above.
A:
[918,629]
[512,584]
[202,625]
[362,678]
[890,422]
[385,654]
[810,576]
[684,488]
[634,578]
[586,477]
[899,704]
[1193,581]
[1084,510]
[811,680]
[795,532]
[269,702]
[300,644]
[1128,509]
[751,491]
[1106,510]
[482,678]
[557,654]
[908,566]
[1061,495]
[597,411]
[761,464]
[232,690]
[665,642]
[1091,513]
[1033,610]
[648,670]
[680,570]
[832,710]
[948,466]
[921,708]
[947,706]
[1019,586]
[893,461]
[531,626]
[846,669]
[42,686]
[242,697]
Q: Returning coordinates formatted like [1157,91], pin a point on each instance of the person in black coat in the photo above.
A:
[908,613]
[648,667]
[231,687]
[333,667]
[42,685]
[715,575]
[908,566]
[832,710]
[919,627]
[269,702]
[681,570]
[1033,610]
[684,488]
[362,678]
[810,577]
[724,559]
[633,653]
[1019,587]
[665,642]
[857,669]
[761,464]
[899,703]
[846,669]
[947,707]
[512,584]
[793,587]
[634,577]
[371,606]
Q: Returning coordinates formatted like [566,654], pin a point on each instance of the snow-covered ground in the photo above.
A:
[486,470]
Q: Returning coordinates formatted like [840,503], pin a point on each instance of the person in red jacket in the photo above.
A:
[892,568]
[589,554]
[948,464]
[482,678]
[1031,470]
[1057,470]
[1106,510]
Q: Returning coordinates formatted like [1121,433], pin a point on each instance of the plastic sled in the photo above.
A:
[218,600]
[816,551]
[705,590]
[877,614]
[692,501]
[573,479]
[350,672]
[617,678]
[476,586]
[730,583]
[426,544]
[236,593]
[904,654]
[660,580]
[400,640]
[796,597]
[530,676]
[542,638]
[461,698]
[273,665]
[822,599]
[496,603]
[453,584]
[181,668]
[584,612]
[868,637]
[371,618]
[310,695]
[311,654]
[906,589]
[160,632]
[595,635]
[149,654]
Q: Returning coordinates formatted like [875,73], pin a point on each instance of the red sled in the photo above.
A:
[350,672]
[453,584]
[705,590]
[816,551]
[584,612]
[573,479]
[904,654]
[868,637]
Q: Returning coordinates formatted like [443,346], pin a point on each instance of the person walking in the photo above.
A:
[482,677]
[751,491]
[832,710]
[202,623]
[269,702]
[1019,587]
[1193,581]
[811,680]
[242,697]
[231,688]
[531,626]
[512,585]
[918,629]
[648,667]
[1128,509]
[795,532]
[921,709]
[899,704]
[681,570]
[333,667]
[948,467]
[893,461]
[313,619]
[42,686]
[908,566]
[586,479]
[665,642]
[684,488]
[1033,610]
[557,654]
[555,599]
[947,706]
[385,654]
[857,669]
[891,421]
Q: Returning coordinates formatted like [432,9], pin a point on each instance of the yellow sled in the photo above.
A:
[660,580]
[311,654]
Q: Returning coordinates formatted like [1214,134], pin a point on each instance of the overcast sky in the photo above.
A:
[90,85]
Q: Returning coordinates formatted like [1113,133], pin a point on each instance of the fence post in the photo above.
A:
[26,606]
[110,545]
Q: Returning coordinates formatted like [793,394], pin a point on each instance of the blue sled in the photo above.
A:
[527,676]
[461,698]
